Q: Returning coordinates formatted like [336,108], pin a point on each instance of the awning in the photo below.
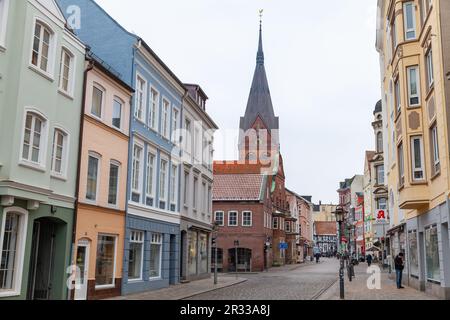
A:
[399,228]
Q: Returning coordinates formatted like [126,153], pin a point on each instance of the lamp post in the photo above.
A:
[339,213]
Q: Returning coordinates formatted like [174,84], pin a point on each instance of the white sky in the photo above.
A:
[321,64]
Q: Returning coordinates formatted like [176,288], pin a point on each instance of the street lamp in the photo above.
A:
[339,214]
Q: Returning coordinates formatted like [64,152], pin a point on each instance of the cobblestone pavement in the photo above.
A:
[358,289]
[300,282]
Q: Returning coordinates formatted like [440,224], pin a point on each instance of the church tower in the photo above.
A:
[258,137]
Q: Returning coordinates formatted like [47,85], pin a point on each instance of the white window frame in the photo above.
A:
[102,107]
[405,19]
[122,103]
[20,252]
[107,286]
[430,68]
[4,9]
[152,194]
[175,137]
[72,66]
[141,241]
[141,104]
[243,219]
[195,194]
[166,179]
[65,153]
[41,164]
[223,218]
[435,147]
[154,109]
[415,169]
[165,118]
[160,243]
[410,95]
[173,185]
[97,156]
[49,73]
[119,167]
[186,188]
[141,166]
[401,163]
[377,169]
[398,97]
[229,218]
[187,133]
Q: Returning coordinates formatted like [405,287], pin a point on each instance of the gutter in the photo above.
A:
[80,146]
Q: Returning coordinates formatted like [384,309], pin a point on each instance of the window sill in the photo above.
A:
[437,174]
[419,183]
[7,294]
[135,280]
[44,74]
[155,279]
[58,176]
[2,48]
[31,165]
[65,94]
[416,106]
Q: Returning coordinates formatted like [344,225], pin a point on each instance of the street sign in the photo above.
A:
[283,245]
[344,239]
[381,215]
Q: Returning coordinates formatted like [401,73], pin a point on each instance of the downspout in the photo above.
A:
[80,141]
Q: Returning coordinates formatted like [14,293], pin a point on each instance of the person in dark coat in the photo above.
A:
[399,266]
[369,259]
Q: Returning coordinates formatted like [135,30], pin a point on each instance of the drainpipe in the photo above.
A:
[80,141]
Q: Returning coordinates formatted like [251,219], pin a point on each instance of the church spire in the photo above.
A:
[260,55]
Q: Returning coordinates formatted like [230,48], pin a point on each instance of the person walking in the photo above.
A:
[399,266]
[369,259]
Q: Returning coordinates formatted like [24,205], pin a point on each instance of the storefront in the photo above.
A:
[428,252]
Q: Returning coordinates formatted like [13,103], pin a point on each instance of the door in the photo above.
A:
[82,263]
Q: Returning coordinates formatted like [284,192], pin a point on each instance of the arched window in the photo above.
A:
[66,71]
[43,42]
[59,152]
[34,139]
[379,142]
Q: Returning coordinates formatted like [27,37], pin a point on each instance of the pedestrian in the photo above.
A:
[399,266]
[369,259]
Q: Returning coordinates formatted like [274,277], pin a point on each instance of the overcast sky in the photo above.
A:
[321,64]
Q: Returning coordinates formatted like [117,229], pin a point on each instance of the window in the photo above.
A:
[150,188]
[173,188]
[165,119]
[209,200]
[175,138]
[187,136]
[59,152]
[106,261]
[379,142]
[435,149]
[381,204]
[432,254]
[413,253]
[162,183]
[66,71]
[117,114]
[275,223]
[219,218]
[135,255]
[92,176]
[398,97]
[153,116]
[194,194]
[203,252]
[232,219]
[136,173]
[197,143]
[418,171]
[401,165]
[97,102]
[247,219]
[141,98]
[394,35]
[413,86]
[409,15]
[42,47]
[155,256]
[34,139]
[13,227]
[380,174]
[4,4]
[430,70]
[204,197]
[186,189]
[113,183]
[425,9]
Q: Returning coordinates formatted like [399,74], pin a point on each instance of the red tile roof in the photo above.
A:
[236,167]
[325,228]
[238,187]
